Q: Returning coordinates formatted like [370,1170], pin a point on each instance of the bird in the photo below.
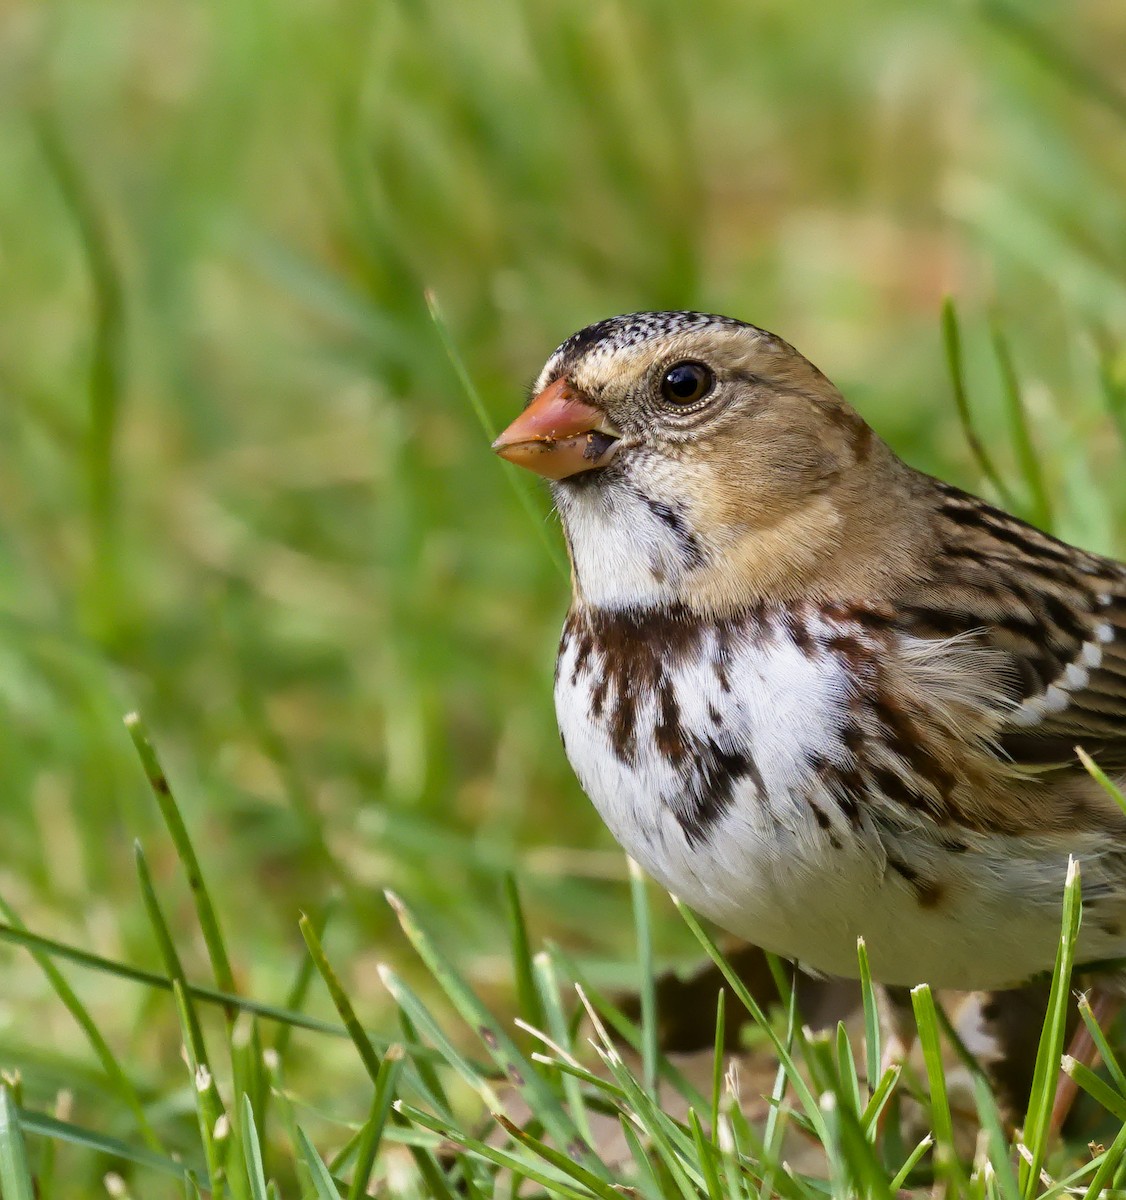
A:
[814,692]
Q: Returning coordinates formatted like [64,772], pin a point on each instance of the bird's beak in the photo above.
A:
[559,434]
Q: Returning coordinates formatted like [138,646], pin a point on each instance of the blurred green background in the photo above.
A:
[243,490]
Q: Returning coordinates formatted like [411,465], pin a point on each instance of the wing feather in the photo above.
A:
[1055,613]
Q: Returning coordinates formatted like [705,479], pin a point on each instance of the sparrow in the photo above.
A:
[818,694]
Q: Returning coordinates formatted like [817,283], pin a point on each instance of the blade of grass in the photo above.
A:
[153,979]
[275,1072]
[323,1183]
[556,1025]
[718,1051]
[1106,1168]
[859,1160]
[560,1161]
[528,997]
[214,1125]
[899,1179]
[652,1185]
[248,1073]
[1069,1184]
[809,1105]
[1112,1101]
[44,1125]
[777,1116]
[341,1003]
[427,1079]
[1004,1180]
[945,1153]
[211,1118]
[878,1099]
[555,1183]
[671,1143]
[15,1172]
[1000,1151]
[113,1069]
[185,851]
[504,1052]
[424,1022]
[952,342]
[253,1151]
[372,1133]
[706,1153]
[104,385]
[1028,460]
[1110,1059]
[426,1163]
[172,963]
[1100,777]
[516,479]
[647,986]
[873,1050]
[626,1029]
[579,1072]
[1051,54]
[1046,1072]
[846,1070]
[340,1160]
[299,989]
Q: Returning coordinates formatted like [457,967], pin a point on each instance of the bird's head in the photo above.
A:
[700,461]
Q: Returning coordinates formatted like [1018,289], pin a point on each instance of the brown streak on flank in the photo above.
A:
[598,694]
[871,616]
[582,654]
[669,734]
[820,816]
[846,785]
[856,655]
[930,894]
[905,738]
[862,444]
[722,654]
[896,789]
[799,632]
[622,727]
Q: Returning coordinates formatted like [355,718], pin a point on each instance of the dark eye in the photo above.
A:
[687,382]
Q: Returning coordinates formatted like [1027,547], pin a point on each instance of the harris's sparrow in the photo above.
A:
[811,690]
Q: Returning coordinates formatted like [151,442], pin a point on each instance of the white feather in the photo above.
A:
[767,869]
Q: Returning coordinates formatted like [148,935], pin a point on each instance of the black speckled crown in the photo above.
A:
[618,333]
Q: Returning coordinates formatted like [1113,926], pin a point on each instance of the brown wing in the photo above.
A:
[1058,616]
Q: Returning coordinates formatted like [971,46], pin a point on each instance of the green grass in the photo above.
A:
[245,490]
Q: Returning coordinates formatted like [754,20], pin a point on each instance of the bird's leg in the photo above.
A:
[1104,1008]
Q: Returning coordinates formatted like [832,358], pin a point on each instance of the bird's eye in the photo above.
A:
[687,382]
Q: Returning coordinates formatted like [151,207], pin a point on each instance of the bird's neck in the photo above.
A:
[630,550]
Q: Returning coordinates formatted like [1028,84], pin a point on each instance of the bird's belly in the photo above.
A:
[722,806]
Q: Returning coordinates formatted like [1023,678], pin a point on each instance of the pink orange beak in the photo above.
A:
[559,434]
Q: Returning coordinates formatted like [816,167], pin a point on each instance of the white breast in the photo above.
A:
[777,861]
